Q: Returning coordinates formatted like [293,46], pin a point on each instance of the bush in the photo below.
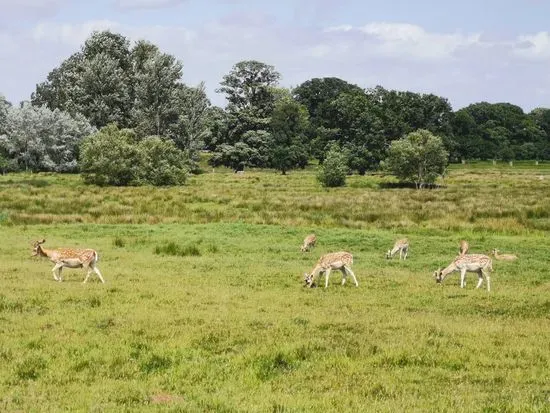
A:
[111,157]
[419,157]
[164,163]
[115,157]
[334,169]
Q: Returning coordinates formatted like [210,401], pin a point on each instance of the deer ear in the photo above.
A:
[43,241]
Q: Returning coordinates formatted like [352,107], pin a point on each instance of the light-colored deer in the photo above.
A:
[70,258]
[503,257]
[309,242]
[478,263]
[463,247]
[333,261]
[401,245]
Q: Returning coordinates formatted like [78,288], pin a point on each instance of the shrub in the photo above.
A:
[115,157]
[164,163]
[111,157]
[419,157]
[334,169]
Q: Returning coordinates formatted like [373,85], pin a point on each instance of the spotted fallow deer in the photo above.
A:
[478,263]
[401,245]
[333,261]
[70,258]
[309,242]
[503,257]
[463,247]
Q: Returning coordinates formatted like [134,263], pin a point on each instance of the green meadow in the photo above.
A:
[204,308]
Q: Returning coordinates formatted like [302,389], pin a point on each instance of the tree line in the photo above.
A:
[133,97]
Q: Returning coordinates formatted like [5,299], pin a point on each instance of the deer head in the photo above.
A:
[36,247]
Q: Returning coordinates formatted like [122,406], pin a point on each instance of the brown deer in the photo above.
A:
[463,247]
[503,257]
[402,246]
[333,261]
[70,258]
[478,263]
[309,242]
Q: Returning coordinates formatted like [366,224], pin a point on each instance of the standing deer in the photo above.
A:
[309,242]
[504,257]
[479,263]
[402,246]
[70,258]
[333,261]
[464,247]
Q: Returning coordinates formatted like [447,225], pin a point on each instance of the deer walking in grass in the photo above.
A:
[463,247]
[333,261]
[70,258]
[309,242]
[503,257]
[478,263]
[401,246]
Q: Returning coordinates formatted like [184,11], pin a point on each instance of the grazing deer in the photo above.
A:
[70,258]
[504,257]
[464,247]
[402,246]
[333,261]
[479,263]
[309,242]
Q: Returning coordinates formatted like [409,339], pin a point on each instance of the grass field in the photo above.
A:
[204,308]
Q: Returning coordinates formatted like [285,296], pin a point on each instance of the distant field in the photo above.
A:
[204,309]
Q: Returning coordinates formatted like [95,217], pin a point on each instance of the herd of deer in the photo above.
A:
[479,263]
[342,261]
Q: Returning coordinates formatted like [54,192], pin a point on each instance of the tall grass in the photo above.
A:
[232,329]
[498,200]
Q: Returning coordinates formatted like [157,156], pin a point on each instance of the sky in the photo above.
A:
[467,51]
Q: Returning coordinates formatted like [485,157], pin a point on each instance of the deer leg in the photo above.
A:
[480,281]
[96,270]
[57,269]
[327,273]
[488,278]
[405,255]
[352,276]
[344,275]
[463,278]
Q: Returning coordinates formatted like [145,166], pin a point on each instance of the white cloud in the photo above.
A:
[147,4]
[535,46]
[465,67]
[402,40]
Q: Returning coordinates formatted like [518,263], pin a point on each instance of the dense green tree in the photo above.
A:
[289,124]
[251,94]
[191,128]
[420,157]
[157,77]
[97,81]
[248,87]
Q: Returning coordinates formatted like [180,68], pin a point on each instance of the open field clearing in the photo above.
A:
[204,308]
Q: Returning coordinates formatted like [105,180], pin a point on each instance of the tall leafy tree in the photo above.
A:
[191,128]
[250,91]
[39,139]
[248,87]
[289,123]
[157,80]
[105,92]
[97,81]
